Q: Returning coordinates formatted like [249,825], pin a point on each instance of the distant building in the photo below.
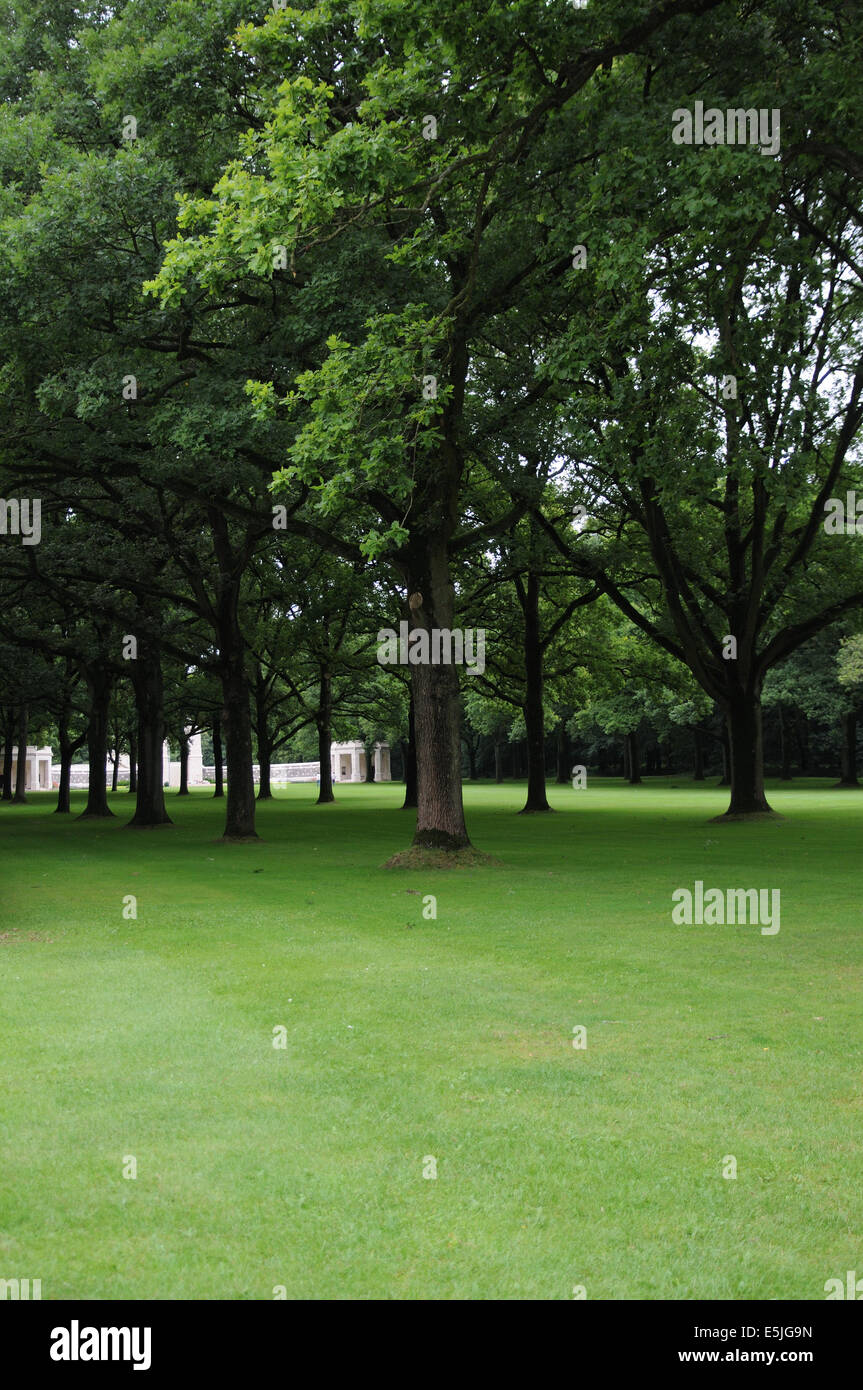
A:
[37,774]
[347,762]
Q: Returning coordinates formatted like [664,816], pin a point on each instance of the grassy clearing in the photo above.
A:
[449,1038]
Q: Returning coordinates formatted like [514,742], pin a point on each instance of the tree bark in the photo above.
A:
[99,684]
[115,772]
[133,762]
[265,792]
[182,739]
[7,761]
[848,777]
[498,762]
[534,716]
[370,762]
[262,734]
[437,704]
[20,797]
[219,768]
[410,759]
[236,718]
[149,699]
[324,723]
[746,745]
[634,771]
[64,794]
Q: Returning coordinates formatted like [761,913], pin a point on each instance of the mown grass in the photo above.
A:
[450,1038]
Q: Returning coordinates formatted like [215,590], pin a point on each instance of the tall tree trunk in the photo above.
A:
[149,699]
[99,685]
[437,703]
[370,762]
[133,762]
[262,734]
[183,740]
[64,795]
[236,718]
[743,712]
[324,723]
[848,776]
[534,716]
[7,760]
[634,775]
[410,757]
[498,761]
[21,769]
[784,746]
[115,771]
[218,760]
[698,751]
[265,791]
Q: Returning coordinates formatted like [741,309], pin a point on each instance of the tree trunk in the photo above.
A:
[698,750]
[64,795]
[265,792]
[115,774]
[149,699]
[747,755]
[21,770]
[848,776]
[7,761]
[534,717]
[784,746]
[262,734]
[498,762]
[626,758]
[634,774]
[99,684]
[325,738]
[370,762]
[182,739]
[437,704]
[133,762]
[236,717]
[219,768]
[410,757]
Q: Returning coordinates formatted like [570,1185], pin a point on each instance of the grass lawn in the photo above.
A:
[410,1038]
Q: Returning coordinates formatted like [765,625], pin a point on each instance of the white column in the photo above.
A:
[196,761]
[166,763]
[377,761]
[355,762]
[386,770]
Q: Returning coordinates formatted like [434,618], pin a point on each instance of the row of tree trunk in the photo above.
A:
[433,743]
